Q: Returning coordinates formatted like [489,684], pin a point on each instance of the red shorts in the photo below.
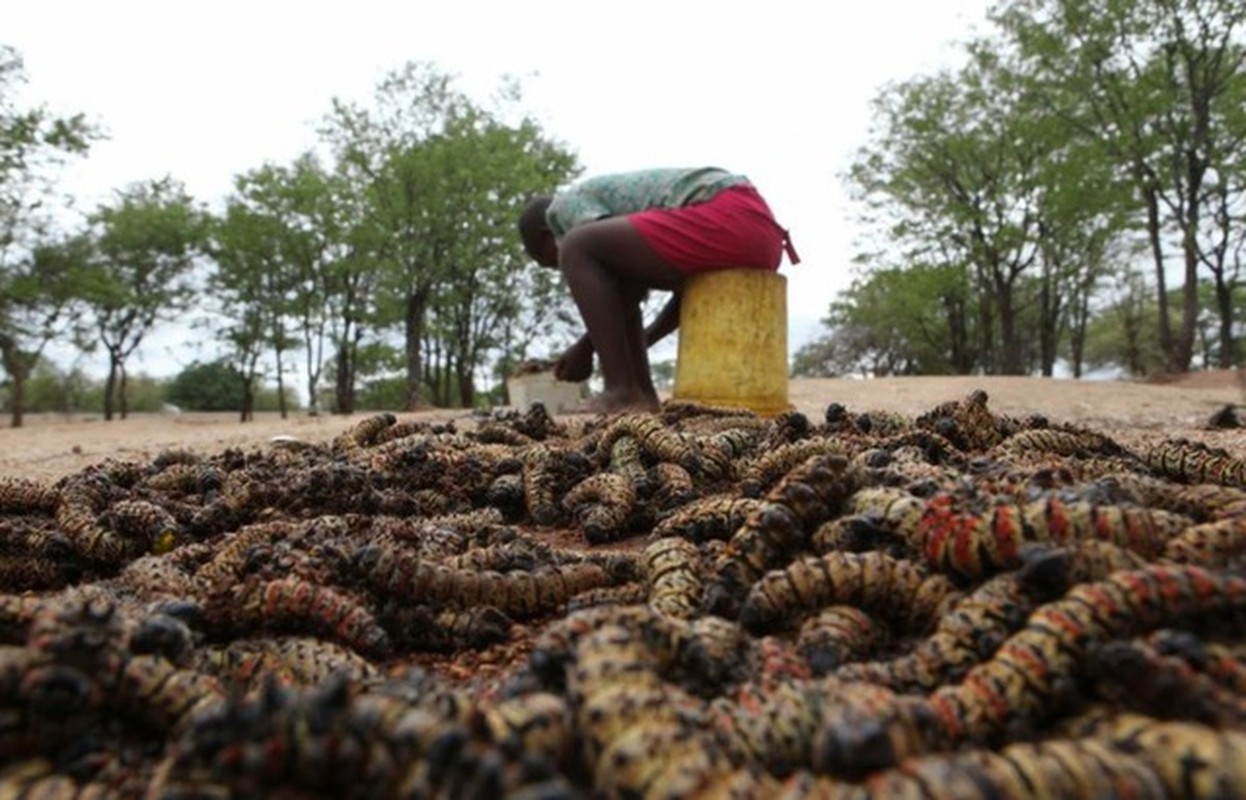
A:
[734,228]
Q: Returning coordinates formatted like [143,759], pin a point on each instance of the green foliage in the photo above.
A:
[818,359]
[145,394]
[1160,89]
[442,180]
[895,322]
[283,274]
[52,390]
[214,386]
[34,271]
[382,394]
[146,243]
[1086,134]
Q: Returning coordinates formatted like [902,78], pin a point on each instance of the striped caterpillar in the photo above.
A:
[548,472]
[1187,461]
[397,571]
[1025,673]
[27,496]
[602,504]
[805,498]
[655,439]
[1135,675]
[671,573]
[974,543]
[363,434]
[978,622]
[770,466]
[873,581]
[294,602]
[837,635]
[1057,768]
[713,517]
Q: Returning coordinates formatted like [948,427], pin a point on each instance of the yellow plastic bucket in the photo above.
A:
[733,341]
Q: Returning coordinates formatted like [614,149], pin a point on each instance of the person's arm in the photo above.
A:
[664,323]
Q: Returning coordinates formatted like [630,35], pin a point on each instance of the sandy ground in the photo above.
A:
[49,447]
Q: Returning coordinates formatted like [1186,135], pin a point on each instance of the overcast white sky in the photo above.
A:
[777,90]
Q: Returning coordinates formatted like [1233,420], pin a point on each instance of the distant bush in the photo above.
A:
[212,386]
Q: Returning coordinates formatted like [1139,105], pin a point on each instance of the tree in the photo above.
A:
[1161,85]
[274,249]
[145,246]
[33,265]
[955,156]
[212,386]
[38,298]
[443,180]
[897,322]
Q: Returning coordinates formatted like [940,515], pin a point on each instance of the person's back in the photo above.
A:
[631,192]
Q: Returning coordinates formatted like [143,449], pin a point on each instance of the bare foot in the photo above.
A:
[611,403]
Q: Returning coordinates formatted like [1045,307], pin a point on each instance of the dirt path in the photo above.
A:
[49,447]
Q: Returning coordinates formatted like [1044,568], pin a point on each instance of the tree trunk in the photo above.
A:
[281,386]
[1048,327]
[986,334]
[18,384]
[1151,198]
[1195,170]
[344,383]
[123,399]
[1011,345]
[1077,334]
[417,308]
[18,372]
[1226,357]
[467,387]
[248,400]
[110,389]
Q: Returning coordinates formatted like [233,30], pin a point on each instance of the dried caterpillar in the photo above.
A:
[768,468]
[873,581]
[446,630]
[602,504]
[967,423]
[363,434]
[1210,544]
[27,496]
[977,623]
[164,696]
[519,594]
[836,635]
[962,541]
[548,472]
[654,438]
[713,517]
[296,602]
[1078,443]
[670,566]
[1187,461]
[878,518]
[1057,768]
[805,498]
[1025,673]
[1135,675]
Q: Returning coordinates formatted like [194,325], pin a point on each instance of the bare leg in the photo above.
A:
[608,266]
[637,350]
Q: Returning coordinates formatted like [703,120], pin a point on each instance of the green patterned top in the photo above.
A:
[629,192]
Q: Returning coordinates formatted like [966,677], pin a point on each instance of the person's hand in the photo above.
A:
[576,364]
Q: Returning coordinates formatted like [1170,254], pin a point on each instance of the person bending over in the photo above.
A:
[615,237]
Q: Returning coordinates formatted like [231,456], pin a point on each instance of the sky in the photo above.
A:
[778,90]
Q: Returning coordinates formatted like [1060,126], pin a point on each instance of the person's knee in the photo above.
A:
[581,242]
